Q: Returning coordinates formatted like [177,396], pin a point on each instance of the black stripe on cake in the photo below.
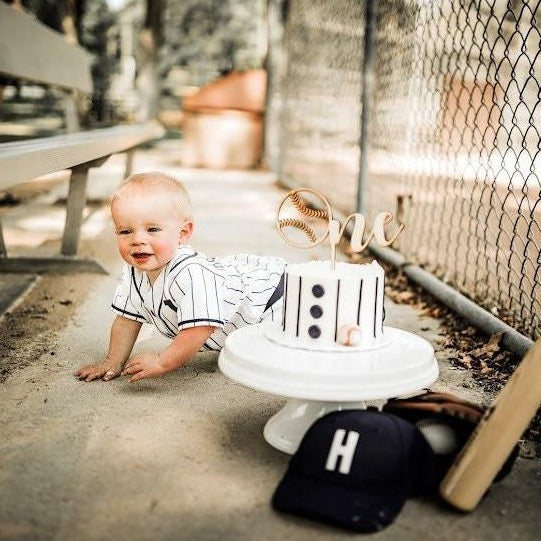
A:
[285,305]
[376,306]
[299,306]
[336,315]
[359,305]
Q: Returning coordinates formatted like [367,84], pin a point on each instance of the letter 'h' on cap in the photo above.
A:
[356,468]
[343,450]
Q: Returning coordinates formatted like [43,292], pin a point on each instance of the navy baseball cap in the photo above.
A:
[356,468]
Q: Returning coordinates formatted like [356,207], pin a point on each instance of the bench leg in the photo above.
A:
[58,264]
[3,251]
[70,112]
[129,162]
[75,207]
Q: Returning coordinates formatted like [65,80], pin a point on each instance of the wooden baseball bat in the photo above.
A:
[497,433]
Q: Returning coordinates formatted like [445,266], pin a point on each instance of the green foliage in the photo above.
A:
[45,11]
[213,35]
[95,26]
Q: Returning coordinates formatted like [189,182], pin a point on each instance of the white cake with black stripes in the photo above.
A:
[332,309]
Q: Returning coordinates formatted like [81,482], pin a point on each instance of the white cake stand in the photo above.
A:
[318,382]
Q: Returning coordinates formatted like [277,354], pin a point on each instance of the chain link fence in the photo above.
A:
[318,89]
[454,128]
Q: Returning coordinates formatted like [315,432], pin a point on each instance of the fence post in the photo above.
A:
[275,65]
[367,89]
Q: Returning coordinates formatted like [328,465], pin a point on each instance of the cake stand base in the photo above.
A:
[285,429]
[318,382]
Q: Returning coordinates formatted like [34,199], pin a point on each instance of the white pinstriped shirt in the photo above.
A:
[194,290]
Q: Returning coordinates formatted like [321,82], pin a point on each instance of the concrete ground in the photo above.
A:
[181,457]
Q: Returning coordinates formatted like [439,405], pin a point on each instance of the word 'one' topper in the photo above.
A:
[304,220]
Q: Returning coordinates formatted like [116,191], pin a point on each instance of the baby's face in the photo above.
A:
[149,229]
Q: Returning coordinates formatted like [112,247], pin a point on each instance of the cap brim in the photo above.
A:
[354,509]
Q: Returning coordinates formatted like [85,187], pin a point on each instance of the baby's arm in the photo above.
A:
[124,332]
[185,345]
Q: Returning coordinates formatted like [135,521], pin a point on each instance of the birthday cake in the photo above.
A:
[330,309]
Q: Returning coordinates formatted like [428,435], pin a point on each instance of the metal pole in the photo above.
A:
[367,90]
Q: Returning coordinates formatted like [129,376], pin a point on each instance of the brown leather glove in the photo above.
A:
[448,414]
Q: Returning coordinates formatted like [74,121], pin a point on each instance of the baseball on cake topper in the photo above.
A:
[305,219]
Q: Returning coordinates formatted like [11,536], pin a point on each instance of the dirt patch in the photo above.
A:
[29,330]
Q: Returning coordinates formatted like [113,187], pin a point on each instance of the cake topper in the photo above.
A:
[304,220]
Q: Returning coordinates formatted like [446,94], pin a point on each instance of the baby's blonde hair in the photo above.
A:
[156,181]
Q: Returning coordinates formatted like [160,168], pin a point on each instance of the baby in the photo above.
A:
[191,298]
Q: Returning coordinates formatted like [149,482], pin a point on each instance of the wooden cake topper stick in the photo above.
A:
[332,228]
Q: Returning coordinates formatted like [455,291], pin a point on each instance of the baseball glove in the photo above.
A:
[446,421]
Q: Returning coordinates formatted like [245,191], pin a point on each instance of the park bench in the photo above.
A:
[31,52]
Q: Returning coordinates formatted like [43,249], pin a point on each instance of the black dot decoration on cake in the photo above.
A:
[316,311]
[318,291]
[314,331]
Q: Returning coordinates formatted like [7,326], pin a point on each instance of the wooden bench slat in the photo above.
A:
[21,161]
[33,52]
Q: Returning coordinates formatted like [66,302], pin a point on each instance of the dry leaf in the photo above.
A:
[404,296]
[485,369]
[466,361]
[490,348]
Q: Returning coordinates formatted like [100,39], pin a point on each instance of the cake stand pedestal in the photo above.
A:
[318,382]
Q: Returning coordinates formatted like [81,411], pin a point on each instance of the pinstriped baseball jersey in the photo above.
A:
[194,290]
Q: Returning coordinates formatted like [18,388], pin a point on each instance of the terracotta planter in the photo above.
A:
[223,123]
[223,139]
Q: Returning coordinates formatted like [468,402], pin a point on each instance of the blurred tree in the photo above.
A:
[46,11]
[149,43]
[94,21]
[213,36]
[68,15]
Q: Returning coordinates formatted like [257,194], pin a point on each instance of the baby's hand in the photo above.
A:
[106,370]
[145,365]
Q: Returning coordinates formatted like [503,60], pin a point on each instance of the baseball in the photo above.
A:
[350,335]
[440,437]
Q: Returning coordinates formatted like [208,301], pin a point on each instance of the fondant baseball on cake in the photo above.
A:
[327,305]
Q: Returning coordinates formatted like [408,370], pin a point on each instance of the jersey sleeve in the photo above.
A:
[198,294]
[122,300]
